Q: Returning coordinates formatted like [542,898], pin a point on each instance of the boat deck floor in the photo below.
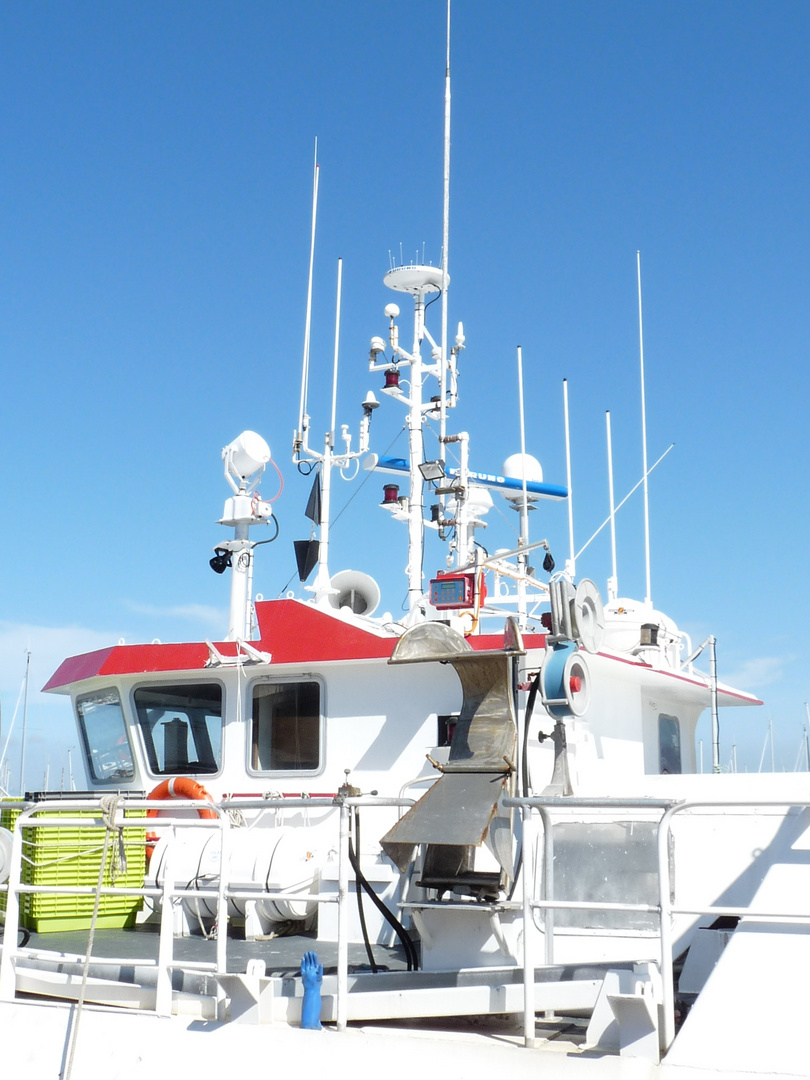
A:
[282,955]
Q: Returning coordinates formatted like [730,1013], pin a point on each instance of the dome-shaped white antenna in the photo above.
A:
[522,467]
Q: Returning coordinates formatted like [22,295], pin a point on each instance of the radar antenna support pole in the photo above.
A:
[648,597]
[303,419]
[570,565]
[522,559]
[613,584]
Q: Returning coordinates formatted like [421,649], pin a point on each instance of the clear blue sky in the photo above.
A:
[155,170]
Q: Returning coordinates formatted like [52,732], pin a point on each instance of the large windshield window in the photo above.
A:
[181,727]
[104,735]
[286,728]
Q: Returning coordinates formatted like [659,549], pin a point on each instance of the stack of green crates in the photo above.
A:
[71,856]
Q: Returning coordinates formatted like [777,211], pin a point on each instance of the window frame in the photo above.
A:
[83,736]
[672,723]
[285,680]
[147,756]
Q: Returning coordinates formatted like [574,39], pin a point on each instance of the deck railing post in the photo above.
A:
[528,927]
[163,990]
[665,902]
[343,918]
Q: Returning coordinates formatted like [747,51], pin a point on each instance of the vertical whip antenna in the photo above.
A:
[445,246]
[648,597]
[613,584]
[302,412]
[337,350]
[571,564]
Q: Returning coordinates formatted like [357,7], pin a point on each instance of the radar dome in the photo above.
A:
[517,463]
[515,466]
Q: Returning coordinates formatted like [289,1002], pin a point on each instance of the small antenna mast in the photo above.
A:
[322,585]
[302,412]
[613,584]
[571,563]
[24,721]
[337,351]
[524,506]
[445,247]
[648,597]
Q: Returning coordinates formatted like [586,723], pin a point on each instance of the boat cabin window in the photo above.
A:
[669,744]
[104,735]
[181,727]
[286,727]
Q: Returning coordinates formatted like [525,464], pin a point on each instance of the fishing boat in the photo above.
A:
[476,831]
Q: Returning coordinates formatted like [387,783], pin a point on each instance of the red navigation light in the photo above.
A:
[390,494]
[391,378]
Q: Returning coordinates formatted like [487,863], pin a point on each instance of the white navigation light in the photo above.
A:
[245,458]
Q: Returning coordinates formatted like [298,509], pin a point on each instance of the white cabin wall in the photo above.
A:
[609,740]
[385,745]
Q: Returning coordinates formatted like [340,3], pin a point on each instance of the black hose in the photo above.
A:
[390,918]
[524,768]
[527,716]
[359,893]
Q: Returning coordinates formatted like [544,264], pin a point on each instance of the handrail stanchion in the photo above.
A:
[665,901]
[528,927]
[548,883]
[343,918]
[222,892]
[163,992]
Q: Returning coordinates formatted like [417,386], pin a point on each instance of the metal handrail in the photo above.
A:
[30,816]
[666,909]
[544,806]
[669,909]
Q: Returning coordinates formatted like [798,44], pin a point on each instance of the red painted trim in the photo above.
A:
[291,631]
[747,699]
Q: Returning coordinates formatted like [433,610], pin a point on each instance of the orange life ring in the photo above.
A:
[176,787]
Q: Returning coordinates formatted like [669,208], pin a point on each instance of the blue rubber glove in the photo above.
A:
[312,977]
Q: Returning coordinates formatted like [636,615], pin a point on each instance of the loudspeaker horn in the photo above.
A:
[355,590]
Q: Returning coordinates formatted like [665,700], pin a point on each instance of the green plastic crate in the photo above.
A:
[71,856]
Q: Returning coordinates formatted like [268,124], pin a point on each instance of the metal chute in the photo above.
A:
[457,814]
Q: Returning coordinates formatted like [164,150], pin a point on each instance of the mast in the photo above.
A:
[322,582]
[419,281]
[613,583]
[445,247]
[24,720]
[570,565]
[648,597]
[303,419]
[522,559]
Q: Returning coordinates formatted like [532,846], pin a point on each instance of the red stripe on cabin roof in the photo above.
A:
[291,631]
